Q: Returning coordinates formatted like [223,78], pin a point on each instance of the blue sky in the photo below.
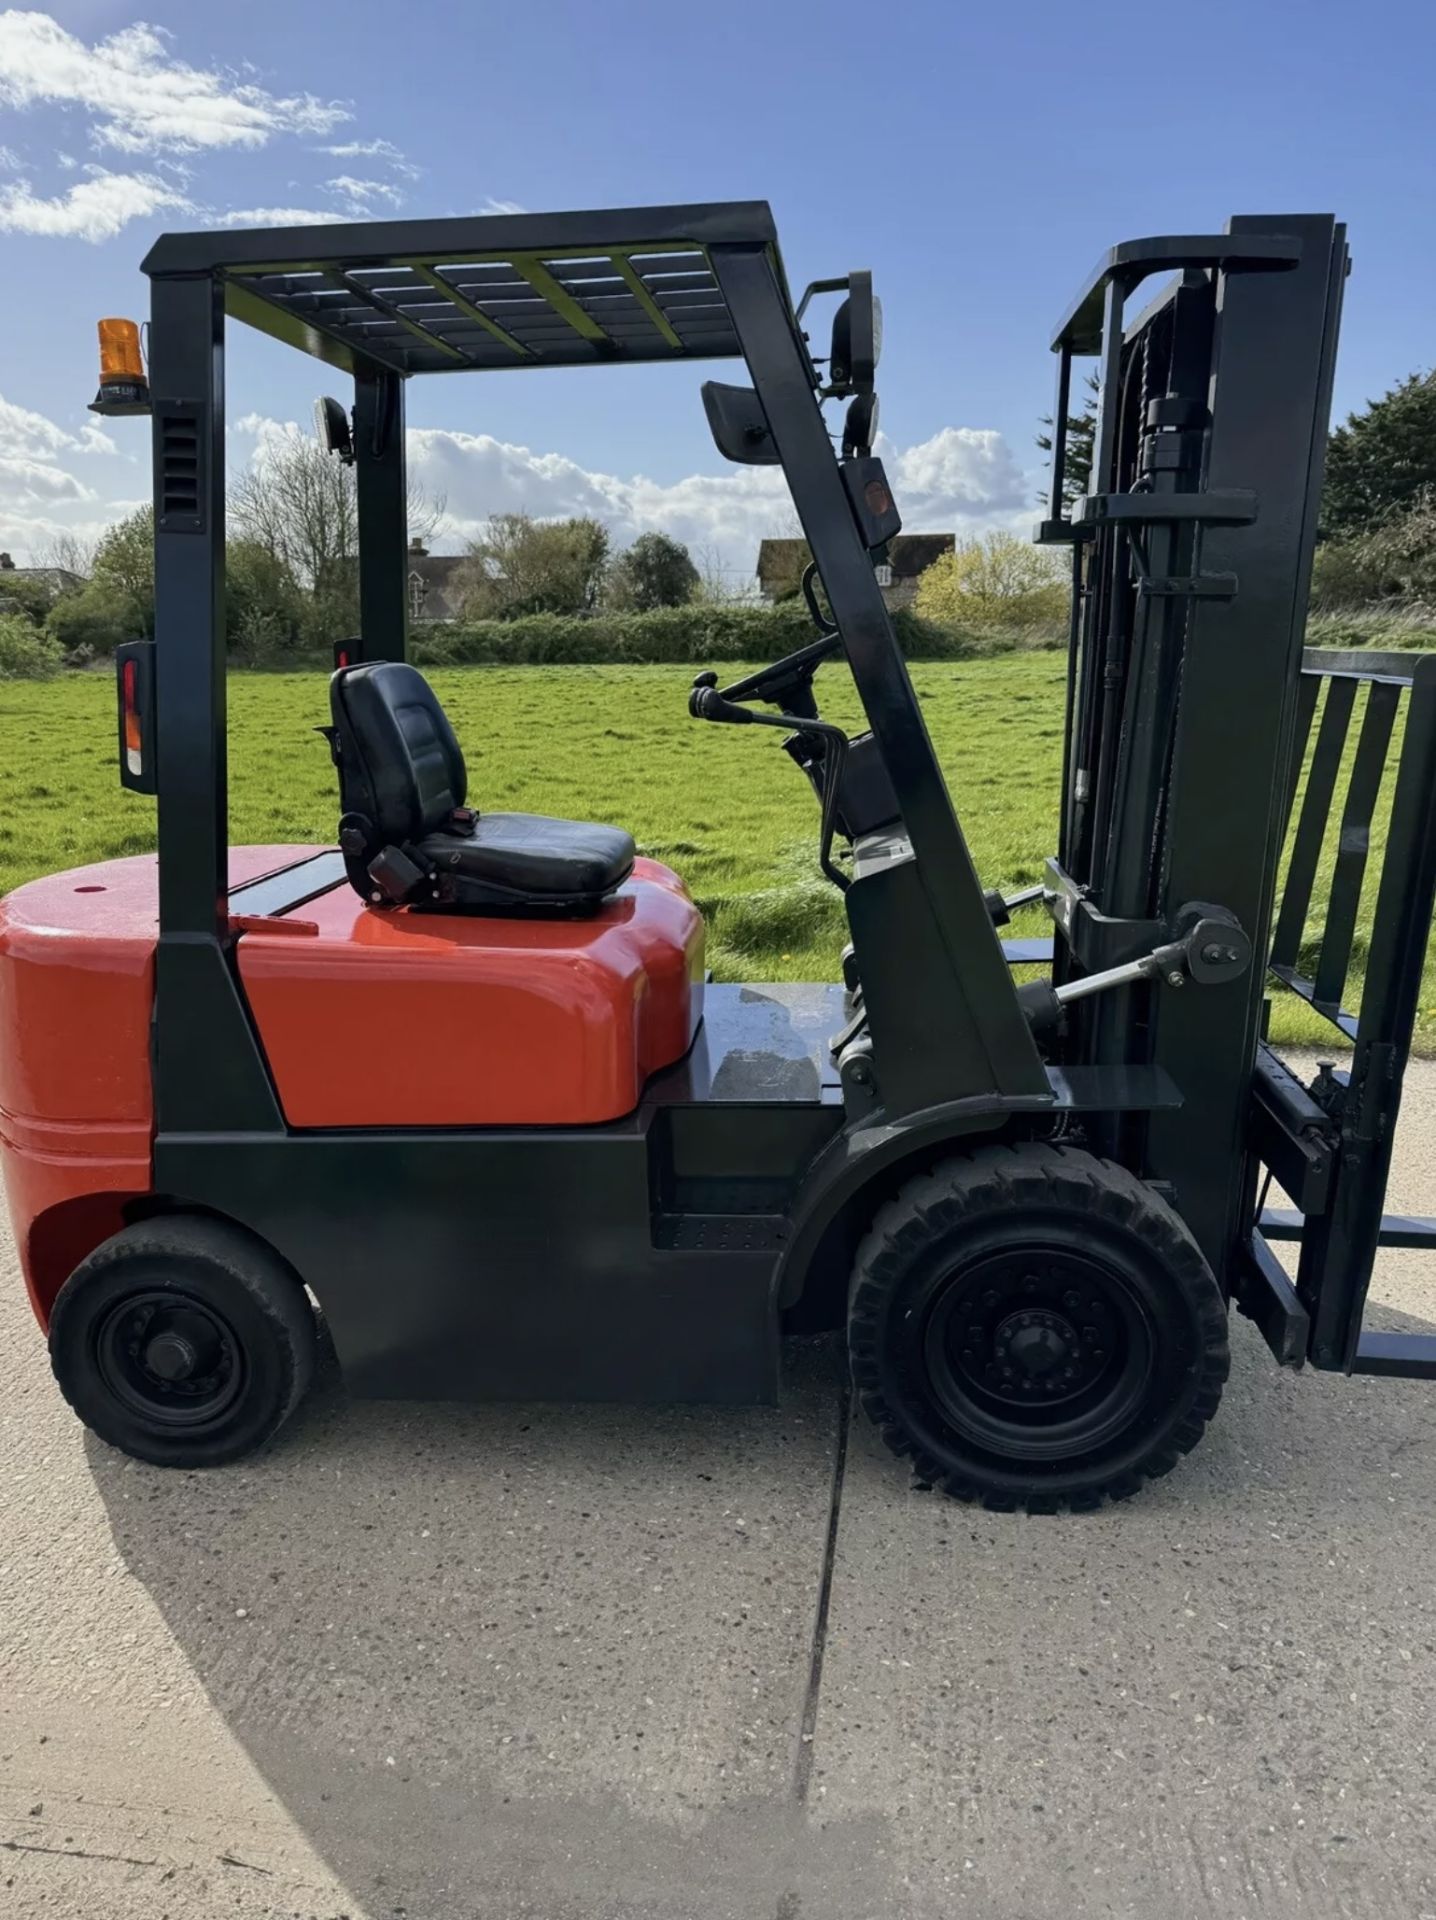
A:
[977,157]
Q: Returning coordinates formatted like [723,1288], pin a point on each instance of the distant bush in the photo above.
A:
[1382,630]
[687,635]
[90,623]
[998,581]
[26,652]
[1392,564]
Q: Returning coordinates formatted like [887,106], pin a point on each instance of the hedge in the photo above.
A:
[26,653]
[674,636]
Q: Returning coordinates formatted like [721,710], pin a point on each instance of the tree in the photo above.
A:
[654,572]
[117,602]
[70,552]
[265,610]
[1081,438]
[1381,460]
[302,504]
[519,565]
[264,607]
[123,572]
[1393,563]
[999,580]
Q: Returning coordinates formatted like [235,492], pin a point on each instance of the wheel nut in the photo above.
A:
[1071,1299]
[989,1299]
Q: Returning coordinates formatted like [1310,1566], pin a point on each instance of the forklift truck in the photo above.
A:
[459,1078]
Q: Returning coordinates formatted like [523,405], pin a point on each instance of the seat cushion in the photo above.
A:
[530,859]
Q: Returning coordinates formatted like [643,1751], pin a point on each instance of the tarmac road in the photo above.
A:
[464,1664]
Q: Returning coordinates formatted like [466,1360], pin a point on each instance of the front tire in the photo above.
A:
[183,1341]
[1033,1327]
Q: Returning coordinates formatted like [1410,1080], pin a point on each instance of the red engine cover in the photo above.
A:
[387,1018]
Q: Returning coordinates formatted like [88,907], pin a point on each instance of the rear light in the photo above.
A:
[135,684]
[346,652]
[129,698]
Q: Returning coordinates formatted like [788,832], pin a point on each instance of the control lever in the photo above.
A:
[706,703]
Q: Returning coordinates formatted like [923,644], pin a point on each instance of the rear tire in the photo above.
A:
[183,1341]
[1034,1327]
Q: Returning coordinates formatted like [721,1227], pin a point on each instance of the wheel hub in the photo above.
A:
[169,1356]
[1038,1343]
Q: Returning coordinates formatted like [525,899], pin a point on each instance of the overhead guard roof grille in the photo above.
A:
[486,293]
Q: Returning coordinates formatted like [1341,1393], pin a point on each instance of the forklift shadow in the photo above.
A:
[511,1660]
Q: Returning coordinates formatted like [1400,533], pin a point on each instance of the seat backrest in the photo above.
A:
[399,763]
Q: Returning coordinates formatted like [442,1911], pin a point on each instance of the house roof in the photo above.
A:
[57,579]
[909,555]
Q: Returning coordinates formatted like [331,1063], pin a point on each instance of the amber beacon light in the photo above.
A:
[123,386]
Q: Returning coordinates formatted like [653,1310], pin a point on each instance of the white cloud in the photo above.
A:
[21,430]
[96,208]
[959,472]
[9,159]
[280,217]
[963,480]
[361,194]
[41,500]
[140,97]
[23,479]
[373,150]
[31,452]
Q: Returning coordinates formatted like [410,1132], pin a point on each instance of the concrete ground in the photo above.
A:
[483,1664]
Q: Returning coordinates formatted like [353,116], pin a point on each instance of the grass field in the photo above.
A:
[724,806]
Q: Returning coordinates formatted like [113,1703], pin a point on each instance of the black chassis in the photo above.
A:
[655,1257]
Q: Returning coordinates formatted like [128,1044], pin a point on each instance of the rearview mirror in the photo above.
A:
[331,423]
[857,337]
[739,425]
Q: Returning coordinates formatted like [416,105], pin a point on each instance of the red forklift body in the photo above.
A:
[367,1019]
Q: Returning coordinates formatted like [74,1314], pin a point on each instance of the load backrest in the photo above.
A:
[400,765]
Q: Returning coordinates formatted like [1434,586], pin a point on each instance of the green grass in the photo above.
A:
[723,805]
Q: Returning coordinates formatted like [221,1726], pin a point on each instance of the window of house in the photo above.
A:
[885,576]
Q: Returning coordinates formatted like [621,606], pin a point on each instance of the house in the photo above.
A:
[433,584]
[55,580]
[781,564]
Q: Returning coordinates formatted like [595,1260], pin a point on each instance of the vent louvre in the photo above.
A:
[181,462]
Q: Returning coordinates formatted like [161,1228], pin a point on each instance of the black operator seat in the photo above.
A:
[409,838]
